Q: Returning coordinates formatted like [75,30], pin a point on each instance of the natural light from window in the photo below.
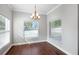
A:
[4,31]
[31,29]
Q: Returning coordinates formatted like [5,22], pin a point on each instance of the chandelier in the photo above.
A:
[35,15]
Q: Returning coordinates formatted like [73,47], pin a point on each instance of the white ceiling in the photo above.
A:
[29,8]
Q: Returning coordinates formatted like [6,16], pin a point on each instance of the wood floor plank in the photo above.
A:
[43,48]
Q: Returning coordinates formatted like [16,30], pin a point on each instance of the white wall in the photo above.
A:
[5,11]
[18,27]
[69,16]
[78,29]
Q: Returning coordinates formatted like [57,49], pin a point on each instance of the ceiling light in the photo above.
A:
[35,15]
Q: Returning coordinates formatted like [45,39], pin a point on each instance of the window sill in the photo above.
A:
[1,32]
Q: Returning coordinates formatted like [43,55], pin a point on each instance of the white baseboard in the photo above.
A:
[29,42]
[35,42]
[14,44]
[59,48]
[7,49]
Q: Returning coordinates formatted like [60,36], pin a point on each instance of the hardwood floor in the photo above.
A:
[43,48]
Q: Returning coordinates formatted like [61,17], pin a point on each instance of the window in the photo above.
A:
[4,24]
[55,29]
[31,29]
[4,31]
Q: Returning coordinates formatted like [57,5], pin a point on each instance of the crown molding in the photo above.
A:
[54,9]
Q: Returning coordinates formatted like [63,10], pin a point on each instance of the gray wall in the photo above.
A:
[69,16]
[18,27]
[6,11]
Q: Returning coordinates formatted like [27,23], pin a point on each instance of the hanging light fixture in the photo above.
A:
[35,15]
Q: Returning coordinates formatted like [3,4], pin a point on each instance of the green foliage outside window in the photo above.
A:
[55,24]
[2,23]
[31,25]
[28,25]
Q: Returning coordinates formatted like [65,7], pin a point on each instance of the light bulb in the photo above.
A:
[38,16]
